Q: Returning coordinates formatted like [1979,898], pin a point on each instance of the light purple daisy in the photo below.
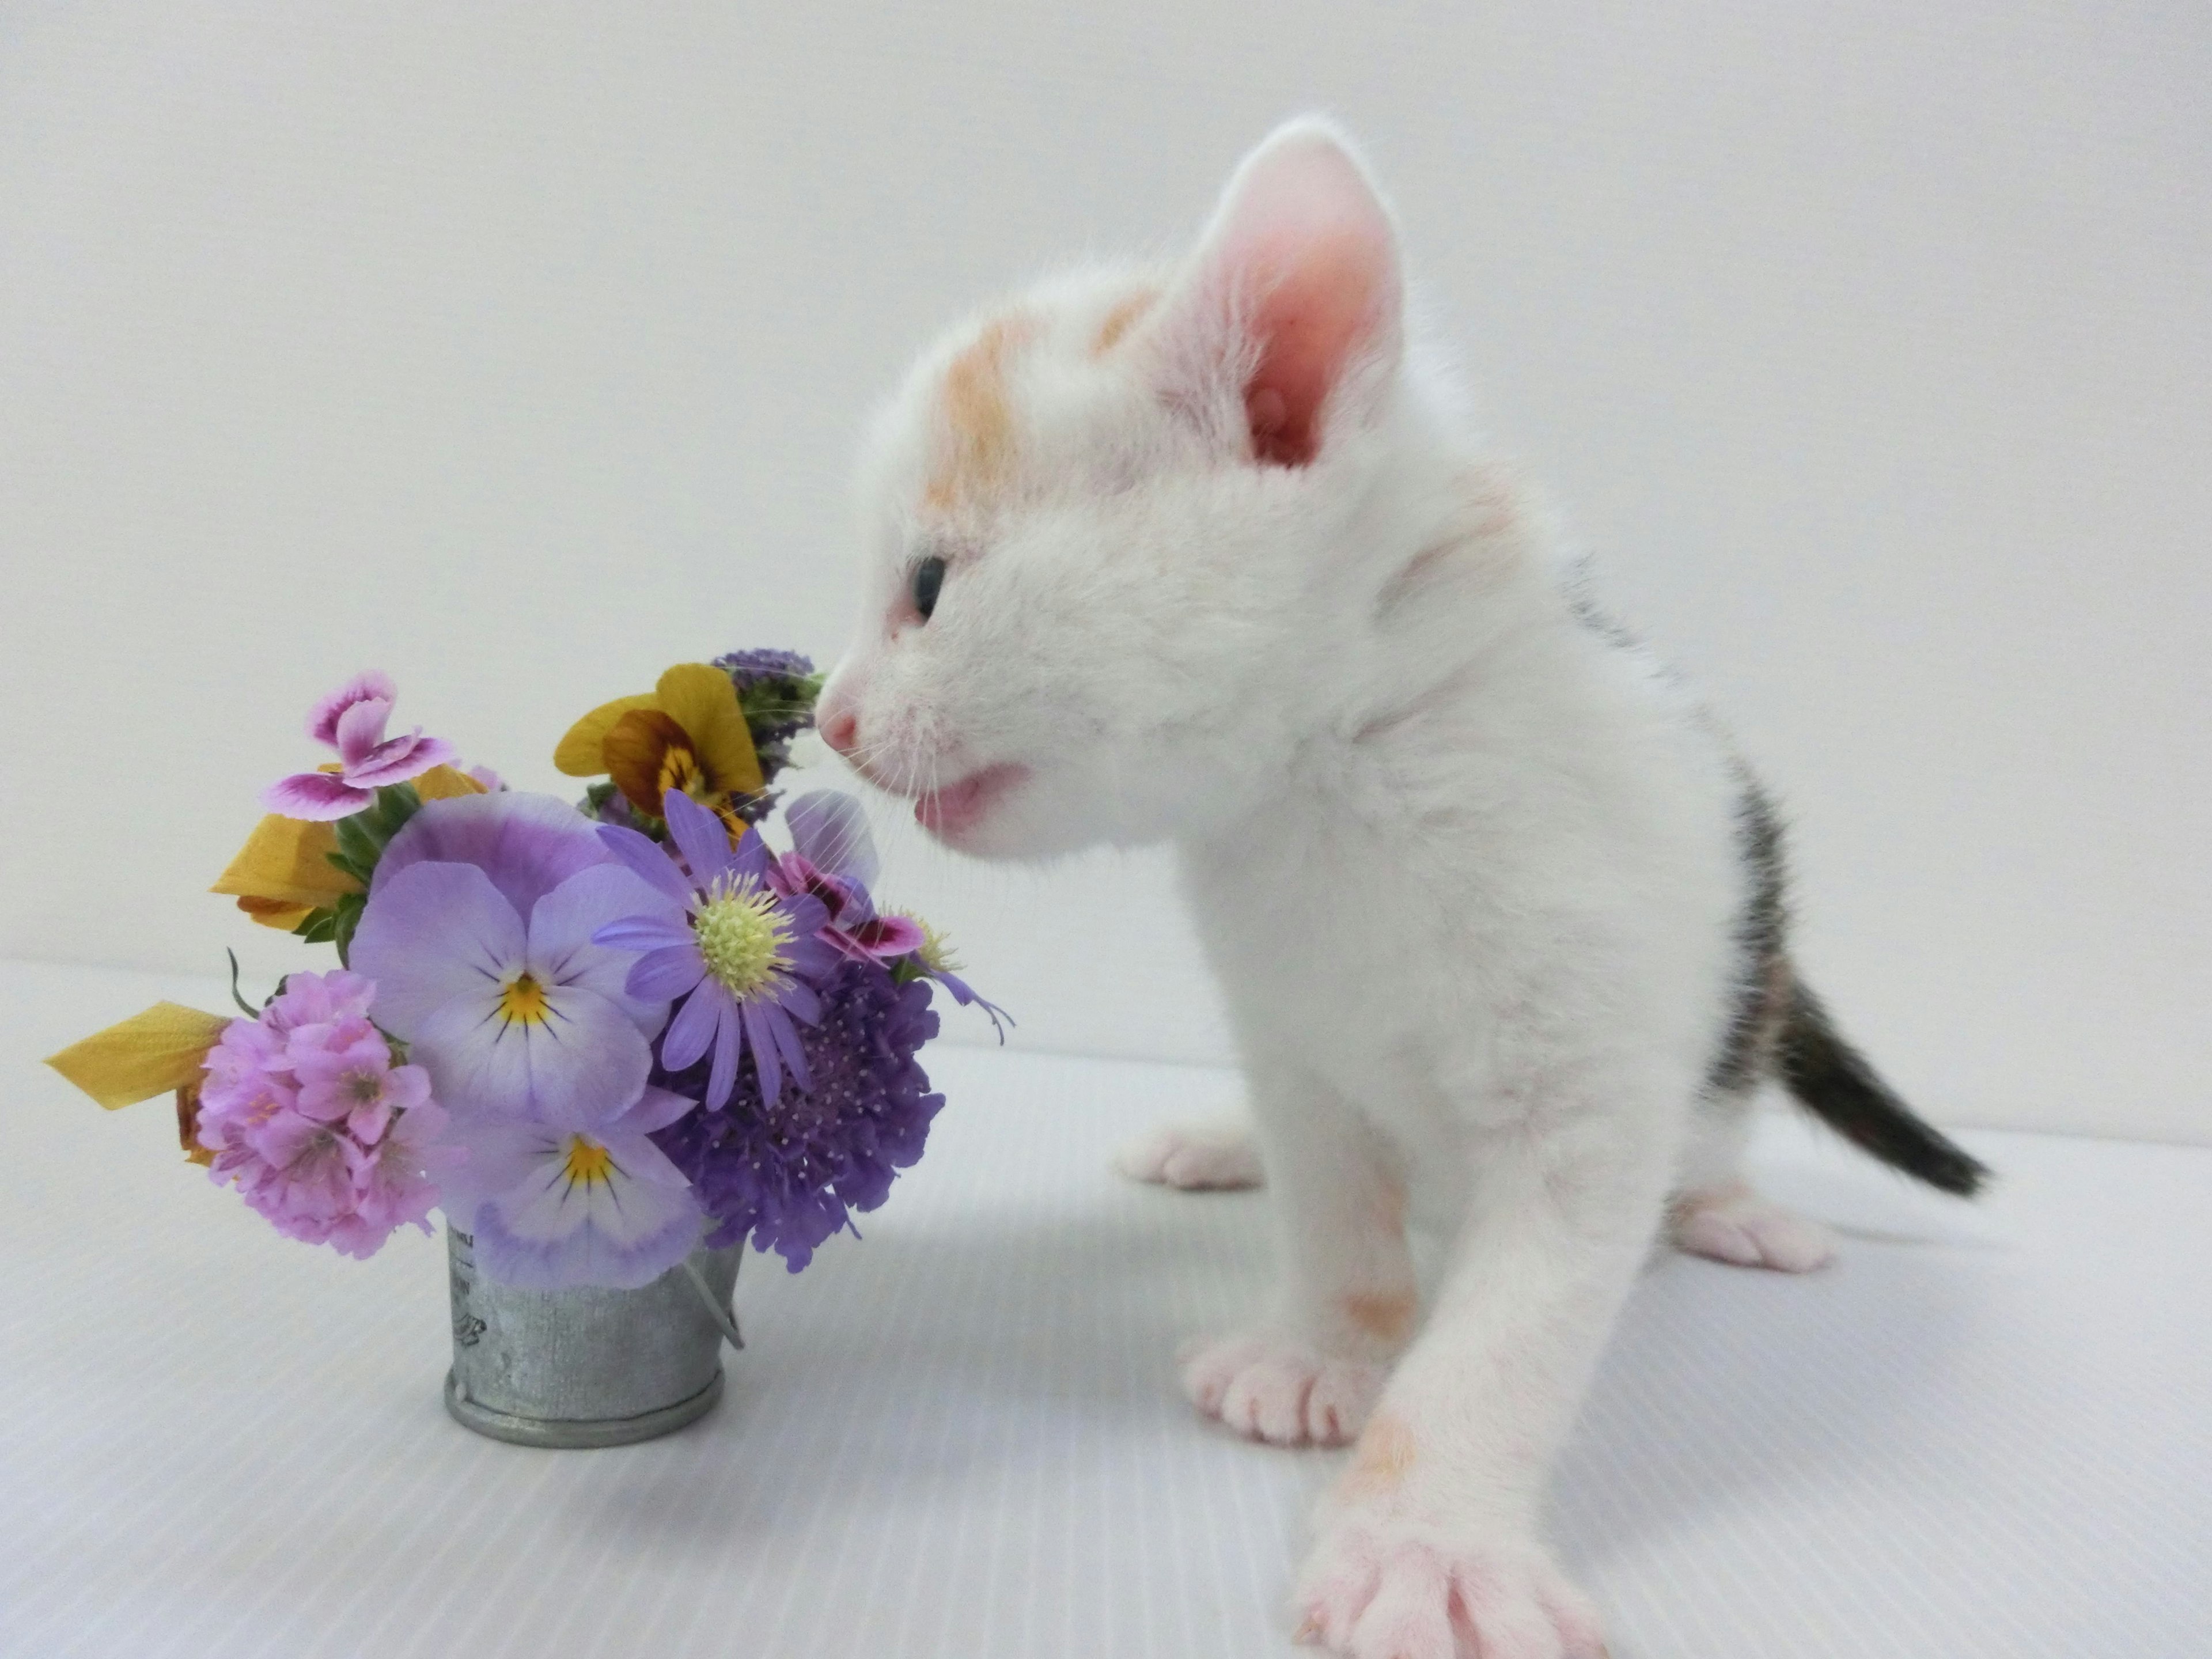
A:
[743,956]
[351,720]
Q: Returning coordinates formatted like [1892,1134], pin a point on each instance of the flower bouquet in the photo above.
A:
[610,1042]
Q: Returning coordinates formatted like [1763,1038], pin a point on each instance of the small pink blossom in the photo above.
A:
[351,720]
[345,1071]
[319,999]
[319,1131]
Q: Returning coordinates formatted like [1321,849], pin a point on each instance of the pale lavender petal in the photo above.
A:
[499,1156]
[551,1232]
[729,1045]
[361,730]
[584,1063]
[692,1029]
[322,718]
[433,933]
[656,1109]
[812,957]
[750,858]
[788,1044]
[647,858]
[965,996]
[766,1065]
[831,831]
[641,1159]
[320,796]
[421,754]
[801,1002]
[642,933]
[563,951]
[807,914]
[528,844]
[665,974]
[702,838]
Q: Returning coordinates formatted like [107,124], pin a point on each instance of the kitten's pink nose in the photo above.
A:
[840,730]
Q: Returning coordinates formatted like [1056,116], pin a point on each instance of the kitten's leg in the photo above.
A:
[1218,1156]
[1431,1545]
[1716,1211]
[1347,1301]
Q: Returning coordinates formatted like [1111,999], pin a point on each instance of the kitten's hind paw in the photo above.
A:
[1734,1224]
[1269,1386]
[1219,1158]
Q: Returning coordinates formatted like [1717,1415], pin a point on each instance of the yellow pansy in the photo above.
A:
[690,734]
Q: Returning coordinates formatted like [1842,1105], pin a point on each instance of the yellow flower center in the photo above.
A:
[741,935]
[680,770]
[588,1161]
[522,1002]
[936,951]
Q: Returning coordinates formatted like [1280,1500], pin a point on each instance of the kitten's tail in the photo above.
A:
[1842,1090]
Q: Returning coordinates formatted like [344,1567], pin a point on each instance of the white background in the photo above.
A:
[519,350]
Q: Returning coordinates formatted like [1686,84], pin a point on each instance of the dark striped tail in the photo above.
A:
[1842,1089]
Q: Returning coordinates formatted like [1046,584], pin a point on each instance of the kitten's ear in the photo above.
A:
[1295,288]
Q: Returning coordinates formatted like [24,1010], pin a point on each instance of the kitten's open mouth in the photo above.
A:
[958,807]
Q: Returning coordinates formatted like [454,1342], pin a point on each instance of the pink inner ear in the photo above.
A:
[1330,299]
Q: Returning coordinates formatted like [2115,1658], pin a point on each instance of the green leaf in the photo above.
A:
[340,861]
[244,1007]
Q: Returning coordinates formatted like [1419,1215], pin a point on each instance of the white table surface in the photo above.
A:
[1987,1430]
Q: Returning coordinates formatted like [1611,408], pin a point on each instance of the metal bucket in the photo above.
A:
[588,1367]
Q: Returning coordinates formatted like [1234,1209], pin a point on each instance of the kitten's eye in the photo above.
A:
[928,577]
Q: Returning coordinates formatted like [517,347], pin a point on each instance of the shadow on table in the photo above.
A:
[1720,1385]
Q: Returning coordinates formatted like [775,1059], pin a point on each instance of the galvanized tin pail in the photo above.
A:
[588,1367]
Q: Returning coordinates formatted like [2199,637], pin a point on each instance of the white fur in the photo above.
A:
[1464,866]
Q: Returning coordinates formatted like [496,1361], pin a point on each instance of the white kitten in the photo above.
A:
[1205,553]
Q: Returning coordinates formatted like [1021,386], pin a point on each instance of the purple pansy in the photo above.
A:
[552,1206]
[479,934]
[739,953]
[351,720]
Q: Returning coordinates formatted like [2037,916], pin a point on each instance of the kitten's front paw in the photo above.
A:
[1276,1388]
[1379,1587]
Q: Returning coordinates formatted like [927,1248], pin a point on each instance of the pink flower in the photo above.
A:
[319,999]
[351,720]
[345,1071]
[319,1131]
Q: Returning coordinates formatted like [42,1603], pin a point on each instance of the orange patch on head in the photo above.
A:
[1380,1464]
[1385,1314]
[1119,320]
[978,415]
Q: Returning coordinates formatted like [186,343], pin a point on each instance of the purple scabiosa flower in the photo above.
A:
[740,954]
[550,1207]
[479,934]
[351,720]
[789,1172]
